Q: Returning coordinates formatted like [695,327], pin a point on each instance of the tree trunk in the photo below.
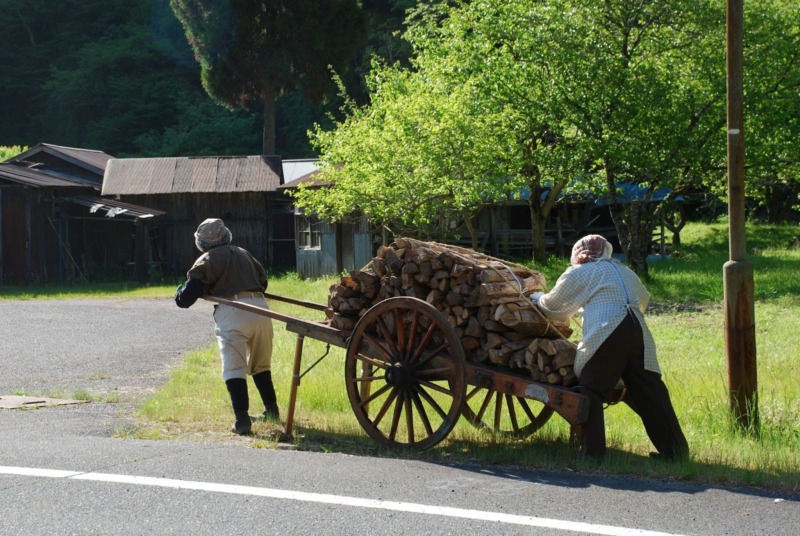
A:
[538,227]
[473,236]
[629,227]
[639,237]
[268,142]
[615,209]
[779,199]
[674,220]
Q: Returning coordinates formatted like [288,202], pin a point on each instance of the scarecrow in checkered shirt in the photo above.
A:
[616,345]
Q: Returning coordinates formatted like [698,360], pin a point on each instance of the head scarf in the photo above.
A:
[590,248]
[212,233]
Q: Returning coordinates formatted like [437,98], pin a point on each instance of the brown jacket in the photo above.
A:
[227,270]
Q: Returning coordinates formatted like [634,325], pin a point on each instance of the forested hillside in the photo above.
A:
[120,76]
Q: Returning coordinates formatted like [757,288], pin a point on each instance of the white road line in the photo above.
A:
[415,508]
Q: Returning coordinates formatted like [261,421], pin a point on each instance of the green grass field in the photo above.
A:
[687,322]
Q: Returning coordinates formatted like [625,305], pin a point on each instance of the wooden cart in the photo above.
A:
[408,380]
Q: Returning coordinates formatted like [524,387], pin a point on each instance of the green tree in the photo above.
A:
[415,159]
[619,91]
[37,36]
[10,152]
[253,51]
[96,74]
[202,128]
[772,113]
[480,43]
[570,100]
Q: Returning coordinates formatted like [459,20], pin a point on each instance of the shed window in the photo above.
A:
[308,231]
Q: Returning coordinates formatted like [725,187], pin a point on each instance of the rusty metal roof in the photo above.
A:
[31,176]
[214,174]
[88,159]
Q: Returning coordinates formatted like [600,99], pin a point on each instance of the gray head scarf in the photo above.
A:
[212,233]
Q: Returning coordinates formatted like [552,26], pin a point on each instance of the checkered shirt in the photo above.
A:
[604,290]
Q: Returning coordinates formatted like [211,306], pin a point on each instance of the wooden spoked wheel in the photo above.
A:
[406,374]
[504,413]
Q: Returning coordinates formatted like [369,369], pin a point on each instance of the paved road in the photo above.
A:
[63,472]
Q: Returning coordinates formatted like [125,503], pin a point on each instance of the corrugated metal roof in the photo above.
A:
[136,176]
[294,169]
[111,207]
[22,174]
[94,161]
[309,178]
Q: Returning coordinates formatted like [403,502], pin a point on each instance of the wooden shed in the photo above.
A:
[55,227]
[241,190]
[325,248]
[505,228]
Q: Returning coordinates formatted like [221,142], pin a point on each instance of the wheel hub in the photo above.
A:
[400,375]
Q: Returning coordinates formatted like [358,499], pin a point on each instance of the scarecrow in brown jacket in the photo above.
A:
[245,338]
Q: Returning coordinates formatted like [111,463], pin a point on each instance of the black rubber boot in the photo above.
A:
[263,381]
[594,431]
[240,401]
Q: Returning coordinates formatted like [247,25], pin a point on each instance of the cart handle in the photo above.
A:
[250,308]
[310,305]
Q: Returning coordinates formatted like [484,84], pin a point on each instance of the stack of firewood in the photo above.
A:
[485,299]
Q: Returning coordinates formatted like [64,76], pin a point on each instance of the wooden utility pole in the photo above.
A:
[740,338]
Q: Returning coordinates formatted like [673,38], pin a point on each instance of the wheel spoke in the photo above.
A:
[369,378]
[471,393]
[512,413]
[498,409]
[423,343]
[400,334]
[374,362]
[444,371]
[379,346]
[423,414]
[398,409]
[412,335]
[375,395]
[526,408]
[438,351]
[384,408]
[484,405]
[435,387]
[429,399]
[409,418]
[387,336]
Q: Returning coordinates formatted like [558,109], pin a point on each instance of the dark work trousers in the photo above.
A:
[622,356]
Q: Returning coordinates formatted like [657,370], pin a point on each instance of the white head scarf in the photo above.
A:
[590,248]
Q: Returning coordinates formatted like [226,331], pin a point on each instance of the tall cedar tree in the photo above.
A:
[251,51]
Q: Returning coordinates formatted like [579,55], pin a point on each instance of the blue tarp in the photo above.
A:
[627,192]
